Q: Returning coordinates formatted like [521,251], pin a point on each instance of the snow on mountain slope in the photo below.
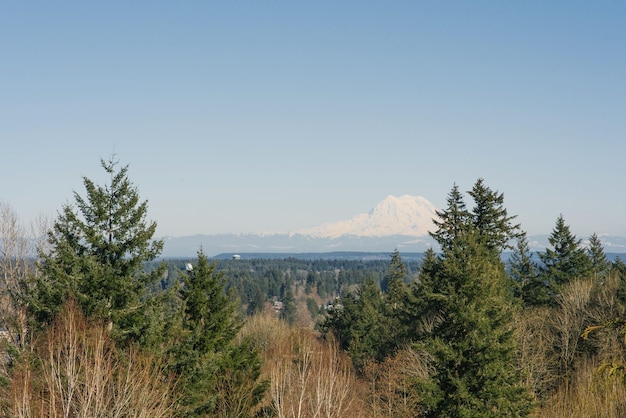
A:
[404,215]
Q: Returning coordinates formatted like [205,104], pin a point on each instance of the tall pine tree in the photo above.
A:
[490,218]
[528,284]
[465,305]
[452,220]
[471,342]
[599,264]
[360,325]
[566,260]
[99,247]
[215,372]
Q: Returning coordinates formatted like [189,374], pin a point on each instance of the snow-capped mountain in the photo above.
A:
[405,215]
[399,223]
[394,223]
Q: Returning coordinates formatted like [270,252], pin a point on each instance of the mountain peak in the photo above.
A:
[403,215]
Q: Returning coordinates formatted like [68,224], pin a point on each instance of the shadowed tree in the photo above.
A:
[528,284]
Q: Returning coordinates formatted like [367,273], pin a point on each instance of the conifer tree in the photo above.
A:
[566,260]
[491,219]
[211,366]
[396,301]
[452,220]
[393,281]
[290,309]
[99,247]
[429,266]
[360,326]
[599,264]
[464,303]
[528,285]
[471,343]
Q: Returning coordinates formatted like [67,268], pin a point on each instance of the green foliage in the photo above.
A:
[290,309]
[393,280]
[527,283]
[470,340]
[98,251]
[566,260]
[599,264]
[490,218]
[452,220]
[212,366]
[312,307]
[360,326]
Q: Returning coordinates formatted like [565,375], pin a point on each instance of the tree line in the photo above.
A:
[91,333]
[463,317]
[96,325]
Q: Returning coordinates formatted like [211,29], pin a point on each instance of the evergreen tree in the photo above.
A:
[471,342]
[599,264]
[490,218]
[290,309]
[211,366]
[394,313]
[452,220]
[429,266]
[98,251]
[528,285]
[360,326]
[393,281]
[566,260]
[412,315]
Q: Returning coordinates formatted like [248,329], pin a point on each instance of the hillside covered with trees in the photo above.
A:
[95,323]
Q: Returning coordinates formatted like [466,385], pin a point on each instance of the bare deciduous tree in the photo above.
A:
[17,262]
[76,371]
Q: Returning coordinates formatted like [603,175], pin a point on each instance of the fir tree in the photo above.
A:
[429,266]
[491,219]
[528,284]
[99,247]
[394,313]
[290,309]
[471,342]
[393,281]
[566,260]
[360,326]
[211,366]
[599,264]
[452,220]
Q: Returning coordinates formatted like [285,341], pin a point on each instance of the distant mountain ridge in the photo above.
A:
[400,223]
[396,222]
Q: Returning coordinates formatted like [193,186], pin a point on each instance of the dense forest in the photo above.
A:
[95,323]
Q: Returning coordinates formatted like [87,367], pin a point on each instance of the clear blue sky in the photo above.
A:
[248,116]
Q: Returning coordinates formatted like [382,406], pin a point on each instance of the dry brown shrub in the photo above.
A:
[75,370]
[589,394]
[392,383]
[536,356]
[18,248]
[308,377]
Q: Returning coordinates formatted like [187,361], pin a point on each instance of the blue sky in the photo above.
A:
[247,116]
